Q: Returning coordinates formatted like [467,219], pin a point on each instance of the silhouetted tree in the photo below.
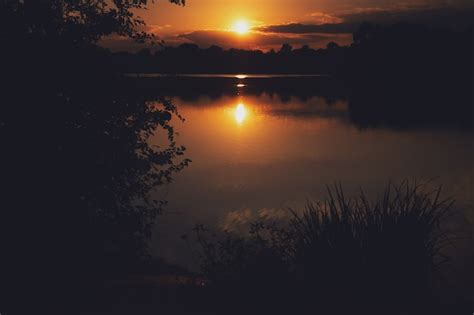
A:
[80,159]
[410,75]
[285,49]
[332,45]
[74,20]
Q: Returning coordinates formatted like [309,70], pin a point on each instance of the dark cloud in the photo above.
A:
[225,39]
[120,43]
[261,40]
[299,28]
[445,16]
[420,14]
[324,18]
[350,5]
[206,38]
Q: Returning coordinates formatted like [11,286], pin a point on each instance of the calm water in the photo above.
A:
[255,154]
[227,76]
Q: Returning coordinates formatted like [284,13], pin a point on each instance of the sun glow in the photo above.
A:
[241,27]
[240,113]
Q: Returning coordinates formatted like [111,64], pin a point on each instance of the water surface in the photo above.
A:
[257,154]
[225,76]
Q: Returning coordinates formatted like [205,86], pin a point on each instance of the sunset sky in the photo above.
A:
[266,24]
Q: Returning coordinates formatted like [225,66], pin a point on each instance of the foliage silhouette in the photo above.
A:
[420,81]
[336,256]
[74,20]
[79,158]
[189,58]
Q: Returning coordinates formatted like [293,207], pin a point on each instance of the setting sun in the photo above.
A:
[241,27]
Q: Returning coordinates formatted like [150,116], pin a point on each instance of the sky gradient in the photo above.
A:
[274,22]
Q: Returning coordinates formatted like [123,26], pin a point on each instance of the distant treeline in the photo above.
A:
[410,75]
[189,58]
[391,45]
[399,75]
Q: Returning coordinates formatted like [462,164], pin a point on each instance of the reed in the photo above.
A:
[367,253]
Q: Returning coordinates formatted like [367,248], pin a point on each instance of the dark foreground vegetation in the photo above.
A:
[77,170]
[341,255]
[77,167]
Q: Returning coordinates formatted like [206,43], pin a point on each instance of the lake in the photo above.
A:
[260,146]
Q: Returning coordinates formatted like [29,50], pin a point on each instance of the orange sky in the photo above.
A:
[220,14]
[208,22]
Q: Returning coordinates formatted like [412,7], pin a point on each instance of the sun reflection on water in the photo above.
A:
[240,113]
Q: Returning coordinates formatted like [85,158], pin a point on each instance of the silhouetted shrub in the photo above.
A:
[337,255]
[78,165]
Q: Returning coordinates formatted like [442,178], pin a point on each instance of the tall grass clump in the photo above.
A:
[337,255]
[387,250]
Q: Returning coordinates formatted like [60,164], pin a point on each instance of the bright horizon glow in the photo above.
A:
[241,27]
[240,113]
